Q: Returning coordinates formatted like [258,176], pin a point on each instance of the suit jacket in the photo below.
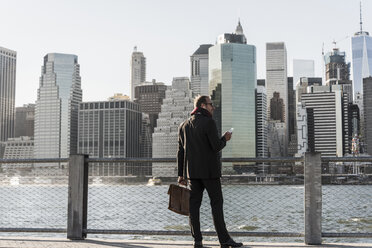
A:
[199,146]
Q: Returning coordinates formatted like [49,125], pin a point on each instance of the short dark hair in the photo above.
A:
[199,100]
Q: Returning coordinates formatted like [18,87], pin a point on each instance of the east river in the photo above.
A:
[251,208]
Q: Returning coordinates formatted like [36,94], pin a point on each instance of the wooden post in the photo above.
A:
[313,198]
[77,197]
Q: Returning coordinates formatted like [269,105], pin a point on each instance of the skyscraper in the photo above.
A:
[150,96]
[261,122]
[361,45]
[25,121]
[8,59]
[292,142]
[327,127]
[176,108]
[367,89]
[337,70]
[57,105]
[111,129]
[232,82]
[303,83]
[277,98]
[199,71]
[302,68]
[138,71]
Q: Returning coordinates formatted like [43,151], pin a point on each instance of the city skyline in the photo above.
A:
[103,35]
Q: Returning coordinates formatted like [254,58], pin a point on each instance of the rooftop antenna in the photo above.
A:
[361,22]
[135,49]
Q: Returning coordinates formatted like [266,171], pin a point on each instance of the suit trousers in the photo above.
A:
[213,187]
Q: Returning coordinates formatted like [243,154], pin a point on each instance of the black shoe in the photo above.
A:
[231,243]
[198,244]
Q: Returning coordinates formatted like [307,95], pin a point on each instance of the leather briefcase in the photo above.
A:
[179,197]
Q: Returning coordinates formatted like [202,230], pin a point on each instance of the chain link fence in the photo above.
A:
[33,196]
[347,197]
[263,202]
[258,199]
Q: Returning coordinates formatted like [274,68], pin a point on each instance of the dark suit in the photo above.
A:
[199,161]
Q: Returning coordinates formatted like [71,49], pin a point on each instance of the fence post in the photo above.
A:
[77,197]
[313,198]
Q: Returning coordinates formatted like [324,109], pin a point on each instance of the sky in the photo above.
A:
[103,33]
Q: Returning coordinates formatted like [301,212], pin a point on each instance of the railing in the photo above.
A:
[255,205]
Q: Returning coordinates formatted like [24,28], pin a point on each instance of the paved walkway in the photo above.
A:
[32,242]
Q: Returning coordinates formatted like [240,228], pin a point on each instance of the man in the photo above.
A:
[199,162]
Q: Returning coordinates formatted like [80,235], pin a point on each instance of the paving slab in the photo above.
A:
[50,242]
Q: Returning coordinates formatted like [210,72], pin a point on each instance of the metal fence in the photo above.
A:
[34,194]
[346,197]
[262,197]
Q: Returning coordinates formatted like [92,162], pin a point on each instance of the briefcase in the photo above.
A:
[179,197]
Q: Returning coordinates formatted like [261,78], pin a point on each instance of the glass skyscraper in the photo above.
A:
[57,105]
[361,45]
[232,82]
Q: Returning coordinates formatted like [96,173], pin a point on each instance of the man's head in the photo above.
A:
[205,103]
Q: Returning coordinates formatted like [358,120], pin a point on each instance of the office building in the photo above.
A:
[146,140]
[176,108]
[302,68]
[18,148]
[302,129]
[150,96]
[354,115]
[261,122]
[361,46]
[327,127]
[138,71]
[8,60]
[111,129]
[199,71]
[25,120]
[358,100]
[232,82]
[292,142]
[277,98]
[57,106]
[302,85]
[367,97]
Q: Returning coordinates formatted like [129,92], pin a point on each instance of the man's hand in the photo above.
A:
[227,135]
[182,181]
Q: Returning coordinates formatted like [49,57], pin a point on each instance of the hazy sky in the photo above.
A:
[103,34]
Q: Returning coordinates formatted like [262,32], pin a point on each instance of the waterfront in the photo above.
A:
[254,208]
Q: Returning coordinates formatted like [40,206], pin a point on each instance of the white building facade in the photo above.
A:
[176,108]
[328,122]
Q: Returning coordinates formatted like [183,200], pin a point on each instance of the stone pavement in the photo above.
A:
[51,242]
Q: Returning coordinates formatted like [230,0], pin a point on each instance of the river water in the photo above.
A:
[256,208]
